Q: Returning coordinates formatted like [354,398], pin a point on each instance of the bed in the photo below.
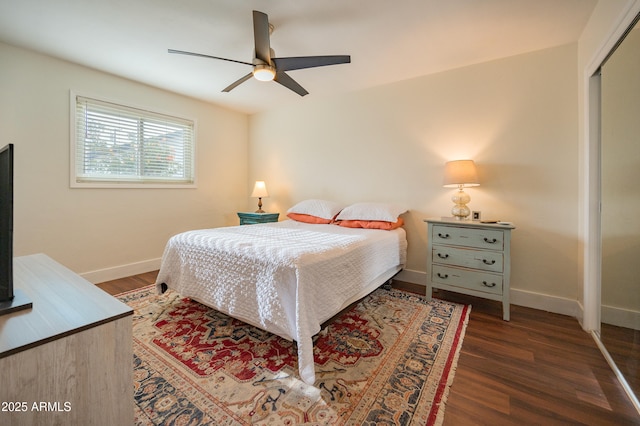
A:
[285,277]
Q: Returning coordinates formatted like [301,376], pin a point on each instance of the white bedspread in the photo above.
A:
[286,277]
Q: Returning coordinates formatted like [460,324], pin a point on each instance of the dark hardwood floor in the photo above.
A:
[623,344]
[537,369]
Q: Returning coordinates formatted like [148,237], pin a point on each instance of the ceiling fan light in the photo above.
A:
[264,72]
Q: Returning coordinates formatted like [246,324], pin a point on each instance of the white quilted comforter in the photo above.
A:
[286,277]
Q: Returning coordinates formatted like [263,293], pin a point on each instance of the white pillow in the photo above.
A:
[320,208]
[372,211]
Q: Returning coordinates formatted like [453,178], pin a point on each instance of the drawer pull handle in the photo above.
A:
[488,262]
[490,241]
[443,256]
[486,284]
[441,235]
[443,275]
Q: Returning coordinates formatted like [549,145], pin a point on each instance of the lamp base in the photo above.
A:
[260,206]
[460,211]
[460,214]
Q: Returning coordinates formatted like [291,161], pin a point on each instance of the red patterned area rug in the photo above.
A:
[388,360]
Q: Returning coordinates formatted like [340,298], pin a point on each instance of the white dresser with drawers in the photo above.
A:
[469,257]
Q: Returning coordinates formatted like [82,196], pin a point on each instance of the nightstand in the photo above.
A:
[247,218]
[470,257]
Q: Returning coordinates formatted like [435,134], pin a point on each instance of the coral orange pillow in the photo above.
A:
[307,218]
[372,224]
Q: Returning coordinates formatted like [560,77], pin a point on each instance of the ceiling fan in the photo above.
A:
[266,67]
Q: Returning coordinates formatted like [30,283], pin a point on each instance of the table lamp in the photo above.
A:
[461,174]
[259,191]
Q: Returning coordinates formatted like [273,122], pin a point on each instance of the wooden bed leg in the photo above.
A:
[387,285]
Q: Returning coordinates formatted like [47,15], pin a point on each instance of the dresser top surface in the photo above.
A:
[469,223]
[64,303]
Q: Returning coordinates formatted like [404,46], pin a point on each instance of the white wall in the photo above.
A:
[106,233]
[516,117]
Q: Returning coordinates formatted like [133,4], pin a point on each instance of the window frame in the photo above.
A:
[74,181]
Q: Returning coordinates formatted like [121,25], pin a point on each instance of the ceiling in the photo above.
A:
[388,41]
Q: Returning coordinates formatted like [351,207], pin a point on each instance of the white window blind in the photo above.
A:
[118,144]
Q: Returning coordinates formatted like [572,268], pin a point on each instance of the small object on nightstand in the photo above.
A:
[247,218]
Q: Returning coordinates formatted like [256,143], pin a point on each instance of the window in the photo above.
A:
[120,146]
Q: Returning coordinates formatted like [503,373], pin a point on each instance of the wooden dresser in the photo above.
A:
[69,359]
[470,257]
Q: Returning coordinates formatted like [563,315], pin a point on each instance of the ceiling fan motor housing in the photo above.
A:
[264,72]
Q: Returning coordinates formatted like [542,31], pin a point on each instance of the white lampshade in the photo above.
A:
[460,173]
[259,190]
[264,72]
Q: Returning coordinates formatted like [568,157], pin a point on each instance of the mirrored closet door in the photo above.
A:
[620,216]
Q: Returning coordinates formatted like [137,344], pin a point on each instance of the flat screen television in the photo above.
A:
[10,300]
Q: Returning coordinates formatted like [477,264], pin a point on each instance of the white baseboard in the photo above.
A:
[543,302]
[121,271]
[411,276]
[620,317]
[546,302]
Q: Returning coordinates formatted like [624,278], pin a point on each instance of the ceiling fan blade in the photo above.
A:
[261,36]
[300,62]
[289,83]
[237,83]
[182,52]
